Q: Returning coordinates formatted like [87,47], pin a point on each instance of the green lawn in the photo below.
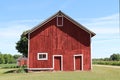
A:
[98,73]
[7,65]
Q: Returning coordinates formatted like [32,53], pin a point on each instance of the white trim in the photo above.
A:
[81,55]
[28,49]
[40,68]
[42,58]
[61,61]
[52,65]
[90,53]
[57,20]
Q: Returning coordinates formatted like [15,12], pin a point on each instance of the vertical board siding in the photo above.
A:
[66,40]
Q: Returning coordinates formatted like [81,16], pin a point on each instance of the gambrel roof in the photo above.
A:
[65,16]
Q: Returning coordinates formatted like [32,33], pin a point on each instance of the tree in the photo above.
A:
[1,58]
[8,58]
[16,56]
[22,44]
[5,56]
[115,57]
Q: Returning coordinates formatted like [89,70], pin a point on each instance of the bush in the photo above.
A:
[22,69]
[115,63]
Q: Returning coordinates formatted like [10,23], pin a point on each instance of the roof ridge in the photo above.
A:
[67,17]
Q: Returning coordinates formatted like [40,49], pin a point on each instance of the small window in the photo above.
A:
[42,56]
[59,20]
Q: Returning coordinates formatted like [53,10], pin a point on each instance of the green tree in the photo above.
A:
[1,58]
[16,56]
[106,59]
[115,57]
[22,44]
[10,59]
[5,56]
[7,59]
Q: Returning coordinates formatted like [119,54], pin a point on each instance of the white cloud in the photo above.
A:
[10,33]
[15,28]
[106,30]
[103,25]
[107,38]
[108,18]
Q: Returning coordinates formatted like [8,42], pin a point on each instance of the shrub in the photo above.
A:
[116,63]
[22,69]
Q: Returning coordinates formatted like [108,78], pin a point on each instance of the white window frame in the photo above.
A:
[57,20]
[61,56]
[42,58]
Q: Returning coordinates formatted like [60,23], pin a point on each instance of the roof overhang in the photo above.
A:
[67,17]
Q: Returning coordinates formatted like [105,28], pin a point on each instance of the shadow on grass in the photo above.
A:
[10,71]
[20,70]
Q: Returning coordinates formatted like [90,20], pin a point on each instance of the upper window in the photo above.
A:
[59,20]
[42,56]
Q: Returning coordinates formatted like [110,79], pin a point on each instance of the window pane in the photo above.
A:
[40,56]
[44,55]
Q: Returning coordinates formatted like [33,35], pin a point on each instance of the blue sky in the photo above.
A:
[100,16]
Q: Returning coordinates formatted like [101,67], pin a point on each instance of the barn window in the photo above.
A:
[42,56]
[60,20]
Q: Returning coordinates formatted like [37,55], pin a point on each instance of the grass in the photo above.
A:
[98,73]
[8,65]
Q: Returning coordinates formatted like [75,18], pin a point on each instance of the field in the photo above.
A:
[98,73]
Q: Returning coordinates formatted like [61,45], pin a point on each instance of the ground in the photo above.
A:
[98,73]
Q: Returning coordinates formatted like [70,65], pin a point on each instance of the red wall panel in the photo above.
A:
[66,40]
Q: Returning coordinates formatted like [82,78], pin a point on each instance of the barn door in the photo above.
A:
[57,63]
[78,63]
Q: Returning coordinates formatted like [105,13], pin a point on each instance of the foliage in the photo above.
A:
[8,58]
[22,44]
[1,58]
[115,63]
[22,69]
[115,57]
[16,56]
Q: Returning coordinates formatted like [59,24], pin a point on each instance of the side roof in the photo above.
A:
[22,57]
[67,17]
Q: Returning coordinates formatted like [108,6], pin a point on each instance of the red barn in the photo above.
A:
[59,43]
[22,61]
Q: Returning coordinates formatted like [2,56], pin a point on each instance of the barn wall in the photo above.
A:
[66,40]
[22,62]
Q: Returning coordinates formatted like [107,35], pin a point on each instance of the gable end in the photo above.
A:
[60,23]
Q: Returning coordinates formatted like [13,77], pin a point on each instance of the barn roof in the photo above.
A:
[67,17]
[22,58]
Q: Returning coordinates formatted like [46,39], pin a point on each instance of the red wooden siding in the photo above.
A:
[67,40]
